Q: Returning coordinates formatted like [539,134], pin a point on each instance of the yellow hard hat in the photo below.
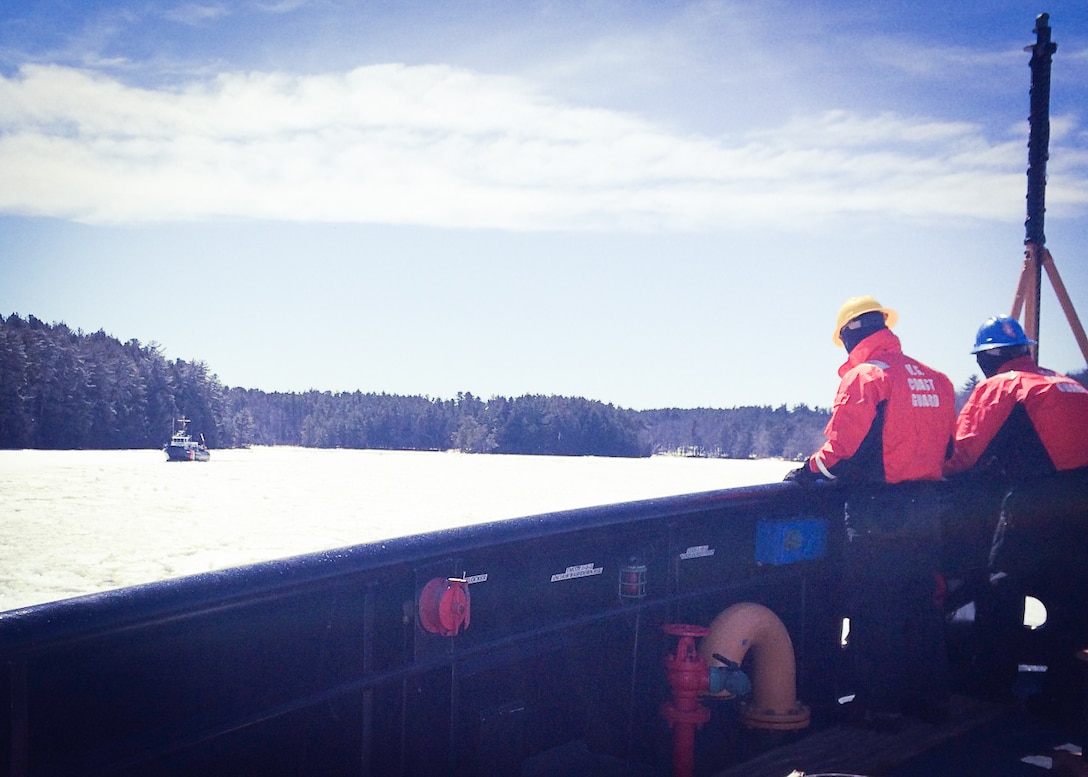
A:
[856,306]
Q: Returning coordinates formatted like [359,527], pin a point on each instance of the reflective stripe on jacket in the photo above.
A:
[893,417]
[1026,420]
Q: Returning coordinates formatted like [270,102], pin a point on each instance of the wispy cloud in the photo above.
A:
[196,13]
[281,6]
[938,62]
[436,145]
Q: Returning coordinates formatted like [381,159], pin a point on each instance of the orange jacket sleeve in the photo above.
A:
[986,411]
[860,392]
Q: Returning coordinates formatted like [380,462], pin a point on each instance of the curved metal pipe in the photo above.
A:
[748,627]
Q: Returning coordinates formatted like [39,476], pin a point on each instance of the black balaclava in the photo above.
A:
[861,327]
[992,360]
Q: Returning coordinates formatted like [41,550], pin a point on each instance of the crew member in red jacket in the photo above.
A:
[1021,423]
[1023,420]
[893,416]
[892,423]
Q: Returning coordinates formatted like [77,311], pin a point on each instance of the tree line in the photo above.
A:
[64,389]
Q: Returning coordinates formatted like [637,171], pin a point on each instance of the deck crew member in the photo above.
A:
[1020,424]
[1023,420]
[893,416]
[892,422]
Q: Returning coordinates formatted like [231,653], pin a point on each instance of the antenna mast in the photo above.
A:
[1036,256]
[1039,136]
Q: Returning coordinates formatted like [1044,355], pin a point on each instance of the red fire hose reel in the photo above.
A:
[444,606]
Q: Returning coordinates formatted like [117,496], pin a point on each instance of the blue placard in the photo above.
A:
[790,541]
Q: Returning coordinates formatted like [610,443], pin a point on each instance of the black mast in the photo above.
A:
[1038,152]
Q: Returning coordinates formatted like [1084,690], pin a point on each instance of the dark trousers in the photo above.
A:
[897,635]
[1047,560]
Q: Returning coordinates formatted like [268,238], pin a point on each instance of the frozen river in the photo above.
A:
[79,522]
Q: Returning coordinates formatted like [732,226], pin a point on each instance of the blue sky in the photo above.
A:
[653,204]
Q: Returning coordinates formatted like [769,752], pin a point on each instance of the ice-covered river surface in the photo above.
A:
[79,522]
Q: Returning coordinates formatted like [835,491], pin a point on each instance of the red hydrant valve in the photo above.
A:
[688,676]
[444,606]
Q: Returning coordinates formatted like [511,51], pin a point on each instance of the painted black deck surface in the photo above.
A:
[997,749]
[846,749]
[980,739]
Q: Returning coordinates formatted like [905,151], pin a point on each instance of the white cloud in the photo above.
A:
[921,61]
[281,6]
[442,146]
[196,13]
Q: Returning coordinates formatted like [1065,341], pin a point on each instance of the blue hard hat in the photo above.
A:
[999,332]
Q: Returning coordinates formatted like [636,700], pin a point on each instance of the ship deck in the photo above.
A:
[980,739]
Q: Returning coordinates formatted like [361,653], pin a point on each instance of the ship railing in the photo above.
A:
[323,661]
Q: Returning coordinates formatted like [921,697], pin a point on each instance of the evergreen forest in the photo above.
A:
[64,389]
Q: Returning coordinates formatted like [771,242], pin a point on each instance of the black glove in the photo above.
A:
[803,475]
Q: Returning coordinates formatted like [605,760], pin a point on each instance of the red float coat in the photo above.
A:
[893,417]
[1028,420]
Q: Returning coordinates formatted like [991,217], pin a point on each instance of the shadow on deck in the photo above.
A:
[980,738]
